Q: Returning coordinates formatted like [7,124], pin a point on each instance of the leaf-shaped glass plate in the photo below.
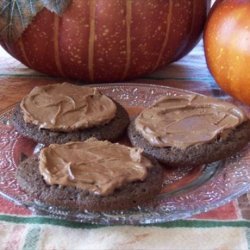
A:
[186,191]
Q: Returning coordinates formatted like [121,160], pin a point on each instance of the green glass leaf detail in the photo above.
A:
[16,15]
[57,6]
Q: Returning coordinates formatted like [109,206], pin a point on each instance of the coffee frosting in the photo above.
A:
[67,107]
[183,121]
[99,167]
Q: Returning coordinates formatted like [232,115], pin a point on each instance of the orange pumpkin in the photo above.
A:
[227,46]
[110,40]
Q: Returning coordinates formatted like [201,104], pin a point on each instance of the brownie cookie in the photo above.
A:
[190,130]
[110,131]
[219,148]
[124,196]
[107,130]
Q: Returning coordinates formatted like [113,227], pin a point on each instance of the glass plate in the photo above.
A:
[185,192]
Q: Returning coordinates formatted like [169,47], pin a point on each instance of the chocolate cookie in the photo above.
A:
[75,199]
[190,129]
[110,131]
[219,148]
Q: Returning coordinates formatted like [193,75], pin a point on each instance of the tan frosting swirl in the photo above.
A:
[183,121]
[67,107]
[97,166]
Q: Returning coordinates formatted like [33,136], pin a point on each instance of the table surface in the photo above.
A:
[190,73]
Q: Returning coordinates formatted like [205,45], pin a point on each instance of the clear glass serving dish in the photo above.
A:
[186,191]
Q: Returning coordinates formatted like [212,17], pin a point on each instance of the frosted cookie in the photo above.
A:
[59,113]
[91,175]
[190,129]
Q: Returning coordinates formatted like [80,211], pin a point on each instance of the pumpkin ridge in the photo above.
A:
[91,40]
[128,37]
[166,39]
[56,45]
[189,35]
[24,55]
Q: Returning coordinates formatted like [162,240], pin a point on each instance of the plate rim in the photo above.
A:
[133,84]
